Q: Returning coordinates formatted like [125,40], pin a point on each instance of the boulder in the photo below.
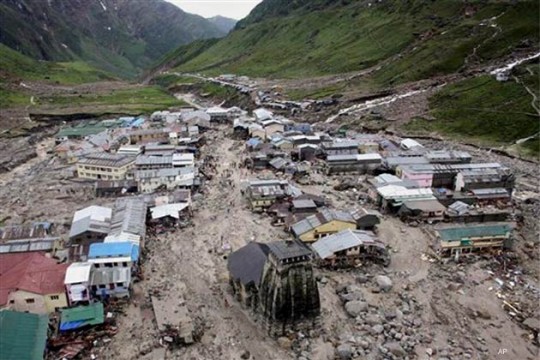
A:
[284,342]
[384,283]
[344,352]
[355,308]
[396,349]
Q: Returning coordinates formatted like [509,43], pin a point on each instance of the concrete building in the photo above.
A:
[262,194]
[466,239]
[103,166]
[108,282]
[347,147]
[77,283]
[90,225]
[32,282]
[114,254]
[356,163]
[148,135]
[172,178]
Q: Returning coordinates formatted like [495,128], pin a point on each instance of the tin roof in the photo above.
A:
[343,240]
[113,249]
[467,232]
[97,213]
[32,272]
[283,250]
[143,160]
[172,210]
[324,216]
[80,316]
[106,159]
[23,335]
[29,245]
[78,273]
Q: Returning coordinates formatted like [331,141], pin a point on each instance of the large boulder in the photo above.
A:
[355,308]
[344,352]
[384,282]
[396,349]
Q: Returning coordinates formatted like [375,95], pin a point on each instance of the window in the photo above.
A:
[102,286]
[30,301]
[12,301]
[125,264]
[55,297]
[119,284]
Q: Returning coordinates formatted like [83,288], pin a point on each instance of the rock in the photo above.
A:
[372,320]
[362,279]
[396,349]
[284,342]
[324,280]
[168,339]
[355,308]
[357,295]
[384,283]
[532,323]
[245,355]
[377,329]
[344,351]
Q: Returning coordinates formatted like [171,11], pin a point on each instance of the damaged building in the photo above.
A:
[348,248]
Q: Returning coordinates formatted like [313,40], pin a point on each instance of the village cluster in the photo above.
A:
[151,169]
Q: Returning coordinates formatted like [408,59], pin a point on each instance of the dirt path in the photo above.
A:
[192,264]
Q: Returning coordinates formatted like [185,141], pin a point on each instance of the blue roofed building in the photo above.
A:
[114,254]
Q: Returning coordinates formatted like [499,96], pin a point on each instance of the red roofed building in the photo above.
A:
[32,282]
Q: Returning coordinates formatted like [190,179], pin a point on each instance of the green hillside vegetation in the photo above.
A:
[135,100]
[15,64]
[483,108]
[411,41]
[117,36]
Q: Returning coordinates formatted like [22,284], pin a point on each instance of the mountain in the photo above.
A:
[408,40]
[118,36]
[223,23]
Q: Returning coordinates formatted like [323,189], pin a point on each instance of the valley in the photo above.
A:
[319,180]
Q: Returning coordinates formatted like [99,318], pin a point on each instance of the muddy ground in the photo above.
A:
[435,309]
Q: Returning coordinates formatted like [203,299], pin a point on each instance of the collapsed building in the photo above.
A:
[276,281]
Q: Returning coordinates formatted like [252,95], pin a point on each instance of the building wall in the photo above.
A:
[326,229]
[274,128]
[424,180]
[54,301]
[26,301]
[103,172]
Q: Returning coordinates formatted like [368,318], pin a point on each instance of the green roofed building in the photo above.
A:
[22,335]
[472,238]
[80,316]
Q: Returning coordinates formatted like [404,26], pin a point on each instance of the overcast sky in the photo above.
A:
[236,9]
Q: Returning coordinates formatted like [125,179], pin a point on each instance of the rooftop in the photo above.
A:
[23,335]
[78,273]
[324,216]
[473,231]
[80,316]
[107,160]
[33,272]
[283,250]
[246,264]
[114,249]
[343,240]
